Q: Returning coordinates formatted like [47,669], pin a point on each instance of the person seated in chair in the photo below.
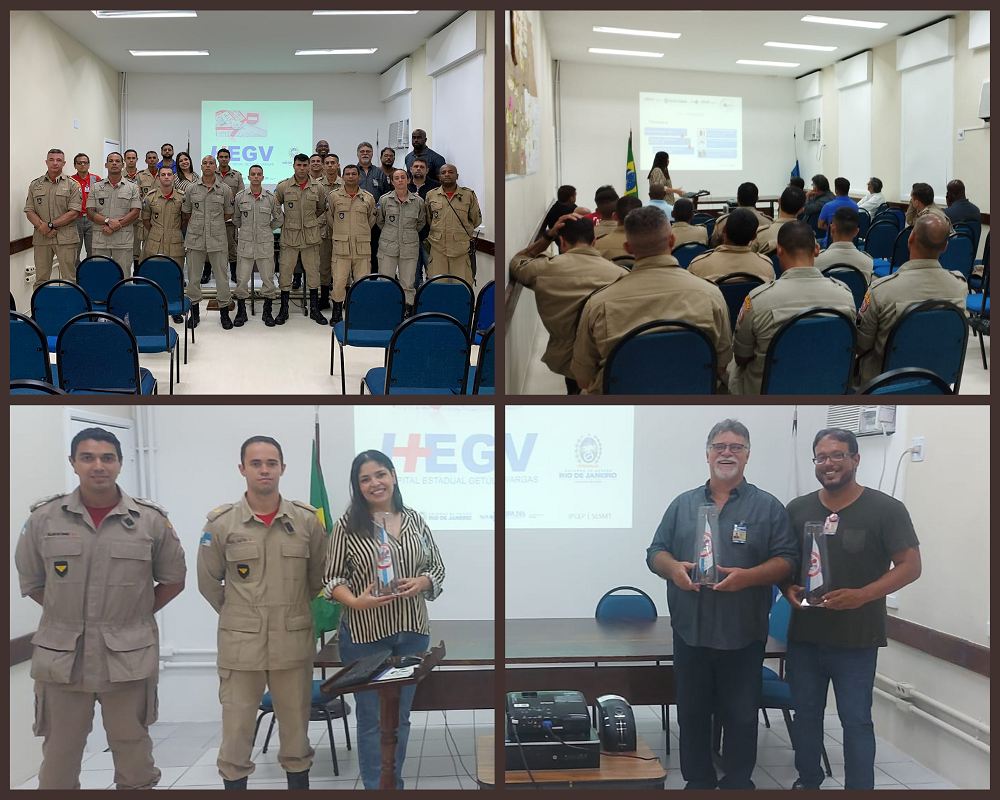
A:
[613,245]
[843,229]
[921,203]
[734,255]
[746,197]
[789,205]
[683,230]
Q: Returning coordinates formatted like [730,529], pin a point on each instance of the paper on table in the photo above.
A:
[394,673]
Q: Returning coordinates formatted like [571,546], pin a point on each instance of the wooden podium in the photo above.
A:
[389,692]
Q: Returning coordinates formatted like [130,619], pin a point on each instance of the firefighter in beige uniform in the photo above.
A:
[52,206]
[735,255]
[789,205]
[330,181]
[91,558]
[256,218]
[114,205]
[350,212]
[233,178]
[131,174]
[147,181]
[260,564]
[453,213]
[162,219]
[746,197]
[401,221]
[207,207]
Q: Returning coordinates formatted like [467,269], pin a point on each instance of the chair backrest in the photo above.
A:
[777,621]
[855,279]
[97,351]
[165,273]
[907,381]
[883,213]
[931,335]
[960,254]
[55,302]
[486,308]
[13,305]
[773,255]
[735,287]
[812,220]
[485,368]
[901,248]
[626,261]
[880,210]
[374,303]
[972,226]
[29,350]
[96,275]
[625,604]
[864,223]
[446,294]
[900,217]
[686,252]
[812,353]
[34,387]
[142,304]
[428,352]
[881,238]
[665,356]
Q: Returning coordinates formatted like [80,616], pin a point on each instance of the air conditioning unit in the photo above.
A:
[862,420]
[984,102]
[811,132]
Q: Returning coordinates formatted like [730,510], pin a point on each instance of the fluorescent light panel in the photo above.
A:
[800,46]
[602,51]
[142,14]
[766,63]
[358,13]
[357,51]
[169,52]
[633,32]
[854,23]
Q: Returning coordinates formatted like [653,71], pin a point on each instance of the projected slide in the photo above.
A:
[699,132]
[263,132]
[568,468]
[444,458]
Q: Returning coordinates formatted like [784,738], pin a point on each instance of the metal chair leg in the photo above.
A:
[270,730]
[256,727]
[347,728]
[333,747]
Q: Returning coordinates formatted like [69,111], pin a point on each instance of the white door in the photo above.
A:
[79,418]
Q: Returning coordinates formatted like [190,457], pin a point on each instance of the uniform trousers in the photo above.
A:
[325,261]
[65,717]
[66,253]
[244,272]
[387,265]
[289,256]
[348,268]
[84,227]
[231,240]
[138,235]
[240,692]
[173,250]
[459,266]
[195,263]
[122,256]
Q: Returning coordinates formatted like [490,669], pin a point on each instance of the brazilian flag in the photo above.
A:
[630,185]
[326,614]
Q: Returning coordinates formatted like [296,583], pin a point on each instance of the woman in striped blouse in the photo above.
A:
[396,622]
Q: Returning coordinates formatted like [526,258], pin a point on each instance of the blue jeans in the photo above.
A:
[369,706]
[809,668]
[724,682]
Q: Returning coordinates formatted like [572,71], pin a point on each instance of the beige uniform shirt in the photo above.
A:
[50,200]
[324,182]
[206,229]
[113,200]
[147,182]
[301,227]
[401,223]
[685,232]
[767,238]
[261,581]
[727,259]
[763,220]
[604,227]
[256,219]
[233,179]
[887,298]
[769,307]
[562,285]
[612,245]
[912,214]
[656,288]
[845,253]
[350,220]
[165,217]
[451,231]
[97,628]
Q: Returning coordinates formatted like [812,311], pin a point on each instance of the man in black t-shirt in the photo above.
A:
[565,204]
[871,551]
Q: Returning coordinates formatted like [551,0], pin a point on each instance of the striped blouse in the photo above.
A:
[657,176]
[352,559]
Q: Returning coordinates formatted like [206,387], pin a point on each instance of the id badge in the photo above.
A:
[740,533]
[830,524]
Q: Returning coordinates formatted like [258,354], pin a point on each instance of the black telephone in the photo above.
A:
[616,723]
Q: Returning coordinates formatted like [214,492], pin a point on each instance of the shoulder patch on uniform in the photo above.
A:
[150,504]
[864,305]
[306,506]
[44,500]
[215,513]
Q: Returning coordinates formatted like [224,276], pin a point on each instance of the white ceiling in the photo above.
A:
[712,41]
[242,41]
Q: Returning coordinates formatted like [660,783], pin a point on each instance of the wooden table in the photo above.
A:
[470,650]
[707,200]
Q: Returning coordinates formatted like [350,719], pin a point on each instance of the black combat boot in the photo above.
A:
[338,313]
[314,313]
[227,323]
[241,313]
[266,314]
[298,780]
[240,784]
[195,317]
[283,311]
[206,273]
[324,298]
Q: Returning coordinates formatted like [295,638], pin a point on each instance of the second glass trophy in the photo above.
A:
[385,578]
[706,536]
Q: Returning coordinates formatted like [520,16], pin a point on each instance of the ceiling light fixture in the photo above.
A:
[854,23]
[633,32]
[602,51]
[800,46]
[357,51]
[142,14]
[766,63]
[169,52]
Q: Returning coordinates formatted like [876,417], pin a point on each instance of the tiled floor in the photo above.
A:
[186,753]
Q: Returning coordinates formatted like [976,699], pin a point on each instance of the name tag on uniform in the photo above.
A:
[288,527]
[830,525]
[740,533]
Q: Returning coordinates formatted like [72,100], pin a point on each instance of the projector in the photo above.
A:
[545,716]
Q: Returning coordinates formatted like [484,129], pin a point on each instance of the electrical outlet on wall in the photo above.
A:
[961,134]
[917,446]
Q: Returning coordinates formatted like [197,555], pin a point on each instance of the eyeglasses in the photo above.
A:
[735,449]
[81,161]
[836,458]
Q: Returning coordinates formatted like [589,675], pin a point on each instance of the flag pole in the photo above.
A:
[317,431]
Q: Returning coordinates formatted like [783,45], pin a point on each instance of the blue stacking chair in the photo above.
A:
[975,282]
[901,248]
[485,311]
[773,255]
[96,353]
[321,709]
[96,275]
[907,381]
[883,213]
[169,276]
[373,310]
[29,350]
[812,353]
[971,227]
[446,294]
[665,356]
[978,306]
[855,279]
[900,217]
[13,305]
[864,223]
[143,306]
[624,261]
[33,387]
[930,335]
[687,252]
[960,255]
[428,354]
[881,238]
[812,220]
[54,303]
[735,287]
[481,377]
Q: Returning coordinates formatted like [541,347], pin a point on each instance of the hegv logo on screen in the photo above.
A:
[442,452]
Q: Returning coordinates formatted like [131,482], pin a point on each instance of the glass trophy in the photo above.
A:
[385,578]
[817,579]
[706,536]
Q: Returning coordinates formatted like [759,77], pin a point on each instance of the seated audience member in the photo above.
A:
[683,230]
[613,245]
[843,229]
[921,278]
[565,204]
[959,208]
[746,197]
[657,197]
[798,182]
[871,201]
[842,187]
[818,196]
[800,287]
[562,284]
[734,254]
[789,205]
[922,202]
[656,288]
[605,199]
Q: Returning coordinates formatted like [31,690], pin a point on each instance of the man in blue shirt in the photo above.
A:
[841,186]
[657,197]
[167,151]
[959,208]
